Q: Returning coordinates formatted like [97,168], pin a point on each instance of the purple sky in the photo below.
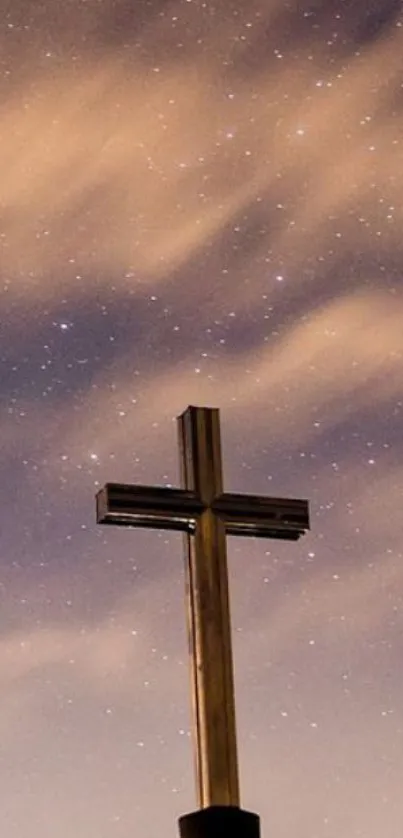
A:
[200,204]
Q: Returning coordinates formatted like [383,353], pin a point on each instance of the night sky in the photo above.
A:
[201,204]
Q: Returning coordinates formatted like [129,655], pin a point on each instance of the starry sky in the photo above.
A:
[200,204]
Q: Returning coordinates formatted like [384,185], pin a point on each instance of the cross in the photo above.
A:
[205,513]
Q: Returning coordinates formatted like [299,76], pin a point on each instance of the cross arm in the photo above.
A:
[147,506]
[263,517]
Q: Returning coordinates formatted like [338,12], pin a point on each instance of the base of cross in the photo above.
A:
[219,821]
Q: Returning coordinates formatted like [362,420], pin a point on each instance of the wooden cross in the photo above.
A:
[206,514]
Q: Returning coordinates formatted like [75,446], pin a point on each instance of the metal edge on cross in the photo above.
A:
[206,514]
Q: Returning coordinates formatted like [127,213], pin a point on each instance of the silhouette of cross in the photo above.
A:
[206,514]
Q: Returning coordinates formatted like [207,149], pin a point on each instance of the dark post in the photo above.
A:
[220,822]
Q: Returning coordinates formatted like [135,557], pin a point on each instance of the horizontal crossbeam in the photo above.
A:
[168,508]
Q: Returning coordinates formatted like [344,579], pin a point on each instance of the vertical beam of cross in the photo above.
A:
[209,615]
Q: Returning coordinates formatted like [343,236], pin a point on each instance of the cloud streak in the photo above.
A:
[154,166]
